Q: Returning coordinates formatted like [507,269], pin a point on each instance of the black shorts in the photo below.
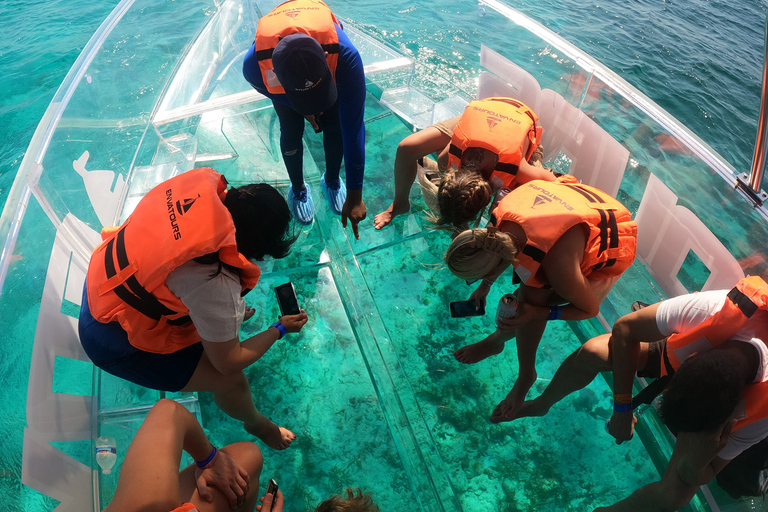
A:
[108,347]
[655,361]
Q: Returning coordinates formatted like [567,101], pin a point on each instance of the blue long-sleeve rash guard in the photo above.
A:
[350,82]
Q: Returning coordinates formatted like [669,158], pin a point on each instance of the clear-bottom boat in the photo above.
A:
[370,386]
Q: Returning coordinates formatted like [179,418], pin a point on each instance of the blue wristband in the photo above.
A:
[555,312]
[622,407]
[202,464]
[280,327]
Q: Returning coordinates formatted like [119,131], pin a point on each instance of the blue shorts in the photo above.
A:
[108,347]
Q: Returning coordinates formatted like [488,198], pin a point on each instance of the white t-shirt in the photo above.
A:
[682,313]
[215,305]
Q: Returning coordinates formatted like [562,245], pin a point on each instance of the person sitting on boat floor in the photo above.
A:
[304,62]
[714,345]
[496,137]
[162,304]
[568,243]
[220,480]
[356,501]
[150,481]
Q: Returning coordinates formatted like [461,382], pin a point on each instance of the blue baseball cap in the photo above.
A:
[301,66]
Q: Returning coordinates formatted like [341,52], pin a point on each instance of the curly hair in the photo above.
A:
[352,503]
[703,393]
[262,221]
[462,196]
[475,253]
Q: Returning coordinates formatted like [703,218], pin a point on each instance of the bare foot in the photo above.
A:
[390,213]
[278,438]
[508,409]
[530,408]
[249,312]
[478,351]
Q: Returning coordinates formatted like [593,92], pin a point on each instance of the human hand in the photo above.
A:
[622,426]
[314,122]
[225,475]
[480,294]
[270,504]
[354,210]
[294,323]
[525,313]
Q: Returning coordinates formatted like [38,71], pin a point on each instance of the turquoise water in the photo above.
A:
[701,61]
[488,465]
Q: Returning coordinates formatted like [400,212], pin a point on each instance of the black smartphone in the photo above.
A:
[287,300]
[271,489]
[465,308]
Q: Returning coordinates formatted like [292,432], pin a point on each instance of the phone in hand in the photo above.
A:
[465,308]
[271,489]
[287,300]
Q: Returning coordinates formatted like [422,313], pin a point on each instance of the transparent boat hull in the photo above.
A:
[370,386]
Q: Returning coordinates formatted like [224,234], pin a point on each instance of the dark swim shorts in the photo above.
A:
[108,347]
[652,368]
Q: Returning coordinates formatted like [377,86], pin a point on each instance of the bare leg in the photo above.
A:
[490,346]
[528,338]
[248,456]
[409,151]
[232,394]
[577,371]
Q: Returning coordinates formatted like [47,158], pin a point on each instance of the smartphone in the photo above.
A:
[287,300]
[465,308]
[271,489]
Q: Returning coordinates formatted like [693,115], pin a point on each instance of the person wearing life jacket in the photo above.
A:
[715,346]
[568,244]
[497,138]
[304,62]
[221,479]
[162,303]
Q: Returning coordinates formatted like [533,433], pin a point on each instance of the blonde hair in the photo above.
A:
[359,502]
[462,196]
[475,253]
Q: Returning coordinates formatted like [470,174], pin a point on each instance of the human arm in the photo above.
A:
[527,172]
[627,335]
[561,267]
[409,151]
[235,355]
[149,477]
[694,462]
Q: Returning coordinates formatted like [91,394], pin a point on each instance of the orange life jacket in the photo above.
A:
[311,17]
[546,210]
[178,220]
[500,125]
[186,507]
[748,296]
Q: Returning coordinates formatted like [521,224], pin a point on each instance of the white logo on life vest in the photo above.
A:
[539,200]
[547,196]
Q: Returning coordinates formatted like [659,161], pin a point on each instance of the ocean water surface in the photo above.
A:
[699,60]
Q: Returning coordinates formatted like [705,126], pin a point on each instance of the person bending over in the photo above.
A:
[221,480]
[568,243]
[162,303]
[304,62]
[713,344]
[497,138]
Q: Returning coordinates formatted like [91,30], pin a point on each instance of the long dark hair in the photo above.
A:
[262,221]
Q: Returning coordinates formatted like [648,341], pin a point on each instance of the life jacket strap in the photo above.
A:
[129,290]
